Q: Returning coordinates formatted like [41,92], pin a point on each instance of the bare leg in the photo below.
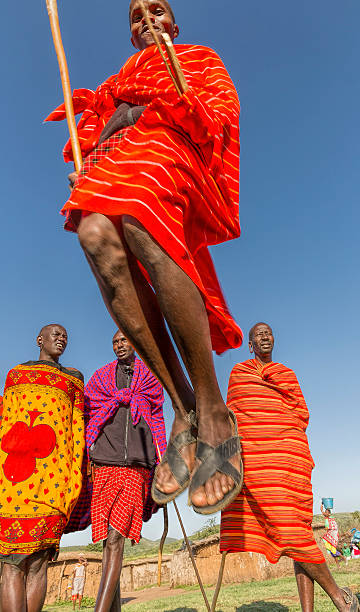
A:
[320,573]
[111,570]
[305,585]
[12,590]
[133,305]
[182,305]
[36,580]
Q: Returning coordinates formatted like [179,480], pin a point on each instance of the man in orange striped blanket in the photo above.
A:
[159,184]
[273,513]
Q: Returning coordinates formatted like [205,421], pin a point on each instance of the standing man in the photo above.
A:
[273,513]
[125,426]
[41,449]
[159,184]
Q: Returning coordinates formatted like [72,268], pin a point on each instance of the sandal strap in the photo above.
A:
[215,459]
[173,458]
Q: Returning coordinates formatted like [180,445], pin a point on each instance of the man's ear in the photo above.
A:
[176,30]
[39,341]
[251,348]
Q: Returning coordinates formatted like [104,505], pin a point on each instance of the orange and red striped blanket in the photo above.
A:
[273,513]
[176,170]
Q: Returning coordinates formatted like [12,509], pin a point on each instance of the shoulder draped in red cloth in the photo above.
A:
[176,170]
[273,513]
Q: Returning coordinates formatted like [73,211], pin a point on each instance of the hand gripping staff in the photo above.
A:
[64,73]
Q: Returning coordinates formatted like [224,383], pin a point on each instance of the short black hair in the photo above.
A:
[164,2]
[253,329]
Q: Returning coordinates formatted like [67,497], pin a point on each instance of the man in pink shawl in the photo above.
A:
[125,433]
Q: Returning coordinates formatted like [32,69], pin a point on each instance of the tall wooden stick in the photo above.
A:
[188,546]
[162,542]
[175,64]
[219,581]
[192,558]
[65,80]
[177,77]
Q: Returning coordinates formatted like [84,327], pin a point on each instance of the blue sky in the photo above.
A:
[295,65]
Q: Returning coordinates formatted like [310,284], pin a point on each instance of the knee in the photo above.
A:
[142,245]
[92,232]
[115,542]
[99,239]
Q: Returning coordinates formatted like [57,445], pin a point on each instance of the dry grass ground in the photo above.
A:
[270,596]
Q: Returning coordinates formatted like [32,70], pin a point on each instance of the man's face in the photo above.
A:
[122,347]
[53,340]
[262,340]
[161,18]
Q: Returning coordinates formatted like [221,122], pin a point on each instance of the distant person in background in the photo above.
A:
[125,425]
[41,450]
[273,513]
[78,581]
[331,538]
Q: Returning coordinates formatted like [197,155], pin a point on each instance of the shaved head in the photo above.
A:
[47,327]
[164,2]
[251,332]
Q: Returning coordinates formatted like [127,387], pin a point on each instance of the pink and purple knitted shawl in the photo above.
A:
[102,399]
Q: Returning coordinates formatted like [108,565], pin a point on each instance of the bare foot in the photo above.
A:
[215,429]
[165,481]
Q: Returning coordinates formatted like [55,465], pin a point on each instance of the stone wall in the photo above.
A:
[176,569]
[135,575]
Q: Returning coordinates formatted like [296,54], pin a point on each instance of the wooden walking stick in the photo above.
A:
[188,546]
[219,582]
[162,542]
[64,73]
[177,76]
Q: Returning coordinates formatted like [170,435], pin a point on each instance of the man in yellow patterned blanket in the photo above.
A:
[41,451]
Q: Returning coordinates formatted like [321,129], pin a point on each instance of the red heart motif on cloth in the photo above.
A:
[46,491]
[26,501]
[31,485]
[62,494]
[51,475]
[51,413]
[24,444]
[24,396]
[54,459]
[9,499]
[38,397]
[53,399]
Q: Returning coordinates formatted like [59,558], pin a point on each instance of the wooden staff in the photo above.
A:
[177,76]
[188,546]
[162,542]
[64,73]
[219,581]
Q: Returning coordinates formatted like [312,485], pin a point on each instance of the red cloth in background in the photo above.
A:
[176,170]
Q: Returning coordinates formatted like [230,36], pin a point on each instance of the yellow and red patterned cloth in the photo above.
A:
[176,170]
[41,450]
[273,513]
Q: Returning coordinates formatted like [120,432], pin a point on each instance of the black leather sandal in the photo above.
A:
[350,598]
[216,459]
[176,463]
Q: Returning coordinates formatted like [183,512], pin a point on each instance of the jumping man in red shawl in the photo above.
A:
[159,183]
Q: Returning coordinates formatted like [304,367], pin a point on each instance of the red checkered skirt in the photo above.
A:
[118,500]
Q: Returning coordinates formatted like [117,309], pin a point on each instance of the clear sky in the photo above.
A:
[296,68]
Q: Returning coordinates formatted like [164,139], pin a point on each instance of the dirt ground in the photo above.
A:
[149,594]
